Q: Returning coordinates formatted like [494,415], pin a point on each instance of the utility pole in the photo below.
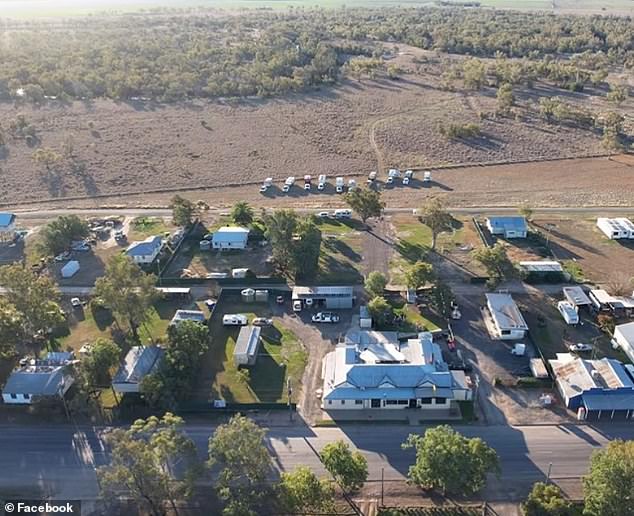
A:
[550,467]
[289,390]
[382,486]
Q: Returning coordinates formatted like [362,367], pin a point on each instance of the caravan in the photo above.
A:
[568,312]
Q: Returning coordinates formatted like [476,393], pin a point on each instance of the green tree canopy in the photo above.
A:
[375,283]
[11,326]
[238,453]
[183,211]
[280,228]
[154,462]
[547,500]
[434,216]
[608,487]
[494,260]
[302,492]
[307,249]
[419,274]
[366,202]
[127,291]
[242,213]
[349,468]
[449,462]
[99,364]
[505,98]
[442,298]
[380,310]
[58,234]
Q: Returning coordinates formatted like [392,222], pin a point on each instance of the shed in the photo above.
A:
[230,237]
[508,227]
[138,363]
[576,296]
[247,346]
[538,368]
[70,269]
[624,338]
[507,318]
[548,271]
[328,297]
[175,292]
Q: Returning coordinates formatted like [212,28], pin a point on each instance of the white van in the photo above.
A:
[321,182]
[339,184]
[234,320]
[568,312]
[427,177]
[343,214]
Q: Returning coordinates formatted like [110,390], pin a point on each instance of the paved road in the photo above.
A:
[60,460]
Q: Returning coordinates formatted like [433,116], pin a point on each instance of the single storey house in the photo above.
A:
[624,337]
[48,378]
[138,363]
[145,251]
[373,370]
[508,227]
[7,227]
[617,228]
[230,237]
[327,297]
[508,322]
[247,345]
[595,389]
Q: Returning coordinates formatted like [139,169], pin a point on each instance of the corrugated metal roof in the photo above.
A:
[541,266]
[505,312]
[145,247]
[139,362]
[609,401]
[6,219]
[322,291]
[248,340]
[576,296]
[39,383]
[508,223]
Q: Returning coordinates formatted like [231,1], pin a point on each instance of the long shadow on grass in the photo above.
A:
[338,246]
[267,377]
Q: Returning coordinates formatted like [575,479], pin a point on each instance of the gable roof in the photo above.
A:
[627,331]
[145,247]
[6,219]
[139,362]
[43,381]
[505,312]
[231,234]
[508,223]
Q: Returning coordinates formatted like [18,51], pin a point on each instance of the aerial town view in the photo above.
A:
[292,257]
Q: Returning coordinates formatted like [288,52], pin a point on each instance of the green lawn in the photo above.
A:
[414,319]
[143,227]
[340,257]
[413,244]
[574,269]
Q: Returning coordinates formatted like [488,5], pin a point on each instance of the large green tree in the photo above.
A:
[11,325]
[280,230]
[449,462]
[153,462]
[306,249]
[547,500]
[418,275]
[99,364]
[242,213]
[127,291]
[375,283]
[380,310]
[366,202]
[494,260]
[57,235]
[349,468]
[608,487]
[240,462]
[301,492]
[436,218]
[183,211]
[35,297]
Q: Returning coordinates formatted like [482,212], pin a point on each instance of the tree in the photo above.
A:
[46,156]
[97,367]
[450,462]
[442,298]
[35,297]
[474,73]
[546,500]
[617,94]
[11,325]
[505,98]
[183,211]
[280,228]
[434,216]
[380,310]
[306,249]
[349,469]
[620,284]
[58,234]
[494,260]
[609,484]
[237,449]
[127,291]
[526,211]
[366,202]
[612,123]
[154,462]
[375,283]
[419,274]
[302,492]
[242,213]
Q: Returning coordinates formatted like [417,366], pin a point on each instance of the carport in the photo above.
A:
[612,406]
[330,297]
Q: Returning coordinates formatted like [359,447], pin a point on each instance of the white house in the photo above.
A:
[7,227]
[624,337]
[46,378]
[508,227]
[230,237]
[373,370]
[616,229]
[145,251]
[138,363]
[507,319]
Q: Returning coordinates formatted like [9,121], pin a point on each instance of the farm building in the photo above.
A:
[537,271]
[508,227]
[38,379]
[596,389]
[624,337]
[506,316]
[619,306]
[616,229]
[230,237]
[328,297]
[372,370]
[188,315]
[576,297]
[145,251]
[7,227]
[139,362]
[247,346]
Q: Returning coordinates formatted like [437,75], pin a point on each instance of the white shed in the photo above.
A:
[624,337]
[230,237]
[246,351]
[70,269]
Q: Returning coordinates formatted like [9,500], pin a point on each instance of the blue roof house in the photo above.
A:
[7,226]
[508,227]
[145,251]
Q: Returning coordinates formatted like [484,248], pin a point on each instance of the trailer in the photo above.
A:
[321,182]
[290,181]
[339,184]
[427,177]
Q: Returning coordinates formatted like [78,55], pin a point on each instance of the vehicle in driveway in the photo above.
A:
[262,321]
[75,302]
[519,350]
[279,300]
[65,256]
[325,317]
[297,305]
[579,347]
[323,214]
[568,312]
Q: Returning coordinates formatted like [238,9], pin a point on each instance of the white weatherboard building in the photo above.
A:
[230,237]
[46,378]
[616,229]
[373,370]
[509,324]
[508,227]
[624,337]
[145,251]
[139,362]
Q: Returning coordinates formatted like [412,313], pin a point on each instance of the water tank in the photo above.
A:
[205,245]
[248,295]
[261,296]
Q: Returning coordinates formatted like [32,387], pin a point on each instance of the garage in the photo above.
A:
[332,298]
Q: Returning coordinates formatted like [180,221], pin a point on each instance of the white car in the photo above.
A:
[65,256]
[579,347]
[234,320]
[262,321]
[325,317]
[323,214]
[297,305]
[75,302]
